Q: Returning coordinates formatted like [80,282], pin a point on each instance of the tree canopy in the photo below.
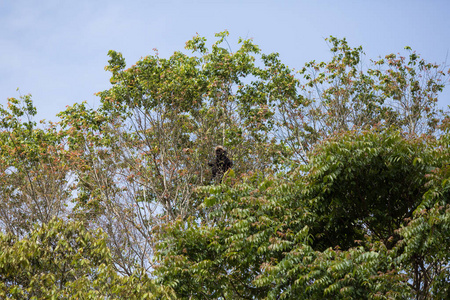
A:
[339,187]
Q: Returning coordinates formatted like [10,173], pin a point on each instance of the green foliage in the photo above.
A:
[345,94]
[222,257]
[297,237]
[33,170]
[339,189]
[140,157]
[63,260]
[366,184]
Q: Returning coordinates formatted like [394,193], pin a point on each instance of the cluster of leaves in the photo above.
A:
[142,154]
[346,94]
[339,188]
[61,260]
[34,179]
[359,225]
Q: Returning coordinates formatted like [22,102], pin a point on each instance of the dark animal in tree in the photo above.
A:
[221,164]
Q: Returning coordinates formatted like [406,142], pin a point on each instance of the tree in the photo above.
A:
[34,178]
[425,244]
[338,190]
[143,153]
[345,94]
[63,260]
[347,229]
[366,184]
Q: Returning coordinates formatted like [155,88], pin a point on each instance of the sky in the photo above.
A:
[57,50]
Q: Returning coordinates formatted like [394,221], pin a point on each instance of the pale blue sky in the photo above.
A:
[56,50]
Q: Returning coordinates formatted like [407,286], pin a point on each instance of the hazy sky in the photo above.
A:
[57,50]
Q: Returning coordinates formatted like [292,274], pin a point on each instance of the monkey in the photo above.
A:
[221,164]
